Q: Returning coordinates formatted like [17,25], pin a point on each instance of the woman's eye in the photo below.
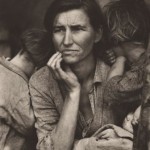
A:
[77,28]
[58,29]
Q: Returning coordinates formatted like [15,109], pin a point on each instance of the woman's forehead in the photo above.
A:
[72,17]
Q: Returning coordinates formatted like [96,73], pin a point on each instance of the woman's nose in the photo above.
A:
[68,38]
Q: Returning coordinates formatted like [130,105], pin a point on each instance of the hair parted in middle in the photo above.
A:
[90,7]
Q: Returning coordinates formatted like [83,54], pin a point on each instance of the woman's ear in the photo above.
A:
[99,34]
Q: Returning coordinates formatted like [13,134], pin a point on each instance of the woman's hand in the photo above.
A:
[106,134]
[65,74]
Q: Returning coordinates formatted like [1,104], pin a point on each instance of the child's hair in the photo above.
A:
[128,20]
[36,43]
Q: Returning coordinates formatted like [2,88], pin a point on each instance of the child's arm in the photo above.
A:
[126,87]
[117,68]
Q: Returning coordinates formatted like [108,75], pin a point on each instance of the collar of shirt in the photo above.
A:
[100,71]
[15,69]
[100,76]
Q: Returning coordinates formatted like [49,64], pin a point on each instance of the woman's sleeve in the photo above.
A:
[46,117]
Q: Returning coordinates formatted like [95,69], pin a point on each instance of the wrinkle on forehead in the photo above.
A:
[72,17]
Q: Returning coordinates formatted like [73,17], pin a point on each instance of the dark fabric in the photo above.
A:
[128,87]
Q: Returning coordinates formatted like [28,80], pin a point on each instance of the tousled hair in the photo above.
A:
[128,20]
[36,43]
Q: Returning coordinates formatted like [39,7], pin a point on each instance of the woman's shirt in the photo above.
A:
[48,97]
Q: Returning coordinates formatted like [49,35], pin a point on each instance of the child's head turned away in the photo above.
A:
[128,21]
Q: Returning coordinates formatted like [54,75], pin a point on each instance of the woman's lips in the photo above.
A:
[69,51]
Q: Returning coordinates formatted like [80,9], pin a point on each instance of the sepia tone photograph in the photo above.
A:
[74,75]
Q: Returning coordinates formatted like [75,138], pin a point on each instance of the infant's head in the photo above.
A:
[131,120]
[127,123]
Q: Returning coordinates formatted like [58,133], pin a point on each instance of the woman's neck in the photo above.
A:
[85,68]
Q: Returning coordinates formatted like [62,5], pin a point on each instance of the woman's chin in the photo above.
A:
[69,61]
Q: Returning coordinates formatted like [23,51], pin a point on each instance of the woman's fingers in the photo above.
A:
[66,75]
[101,134]
[106,136]
[63,74]
[56,66]
[53,58]
[54,63]
[108,133]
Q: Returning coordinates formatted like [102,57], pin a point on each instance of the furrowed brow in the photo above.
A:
[57,26]
[78,26]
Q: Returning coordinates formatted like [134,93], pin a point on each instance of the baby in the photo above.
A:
[131,120]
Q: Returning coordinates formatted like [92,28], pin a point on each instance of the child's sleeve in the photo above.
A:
[125,88]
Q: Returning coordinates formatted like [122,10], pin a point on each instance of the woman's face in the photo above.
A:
[73,35]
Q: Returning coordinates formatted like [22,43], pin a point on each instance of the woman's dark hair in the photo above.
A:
[36,43]
[91,8]
[128,20]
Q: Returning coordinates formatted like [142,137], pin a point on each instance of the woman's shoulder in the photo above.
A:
[102,68]
[44,86]
[42,77]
